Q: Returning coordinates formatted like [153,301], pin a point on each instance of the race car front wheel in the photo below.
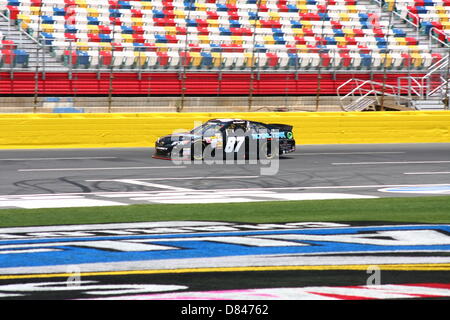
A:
[197,151]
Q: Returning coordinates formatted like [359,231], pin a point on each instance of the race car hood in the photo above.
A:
[169,139]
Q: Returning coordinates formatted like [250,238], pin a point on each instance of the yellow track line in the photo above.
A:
[357,267]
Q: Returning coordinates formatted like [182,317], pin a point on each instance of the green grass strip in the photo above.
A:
[434,209]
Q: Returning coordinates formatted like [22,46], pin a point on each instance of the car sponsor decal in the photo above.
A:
[196,244]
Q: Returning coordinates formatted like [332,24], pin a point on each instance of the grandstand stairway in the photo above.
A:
[36,56]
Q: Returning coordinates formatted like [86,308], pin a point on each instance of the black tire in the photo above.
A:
[265,152]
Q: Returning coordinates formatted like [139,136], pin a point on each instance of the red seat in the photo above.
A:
[346,59]
[105,58]
[163,58]
[325,60]
[185,59]
[272,59]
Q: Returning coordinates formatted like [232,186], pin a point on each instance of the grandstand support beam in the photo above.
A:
[383,91]
[447,86]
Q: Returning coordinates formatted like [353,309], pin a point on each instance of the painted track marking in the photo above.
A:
[94,169]
[357,267]
[389,162]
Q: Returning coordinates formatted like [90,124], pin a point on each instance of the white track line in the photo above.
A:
[45,159]
[443,172]
[229,190]
[94,169]
[154,185]
[183,178]
[345,153]
[389,162]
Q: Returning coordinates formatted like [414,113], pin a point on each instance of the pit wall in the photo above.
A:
[25,131]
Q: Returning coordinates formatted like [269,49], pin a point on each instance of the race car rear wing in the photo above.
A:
[281,127]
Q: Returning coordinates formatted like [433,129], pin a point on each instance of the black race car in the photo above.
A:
[228,138]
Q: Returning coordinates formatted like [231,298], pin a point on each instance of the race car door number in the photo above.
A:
[234,144]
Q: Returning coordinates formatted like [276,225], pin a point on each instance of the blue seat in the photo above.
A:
[70,29]
[48,38]
[160,38]
[93,21]
[127,30]
[124,4]
[158,14]
[293,60]
[421,10]
[399,33]
[279,40]
[338,33]
[47,20]
[276,32]
[296,24]
[260,48]
[324,16]
[207,60]
[235,24]
[292,8]
[114,13]
[366,60]
[252,15]
[105,37]
[331,41]
[189,5]
[83,58]
[21,57]
[221,7]
[225,31]
[59,11]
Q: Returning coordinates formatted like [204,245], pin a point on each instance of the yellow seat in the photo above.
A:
[349,32]
[49,28]
[417,59]
[24,17]
[212,23]
[92,29]
[179,14]
[138,22]
[196,58]
[344,16]
[146,4]
[204,39]
[236,39]
[386,60]
[81,3]
[217,59]
[269,40]
[249,59]
[92,12]
[83,46]
[140,58]
[274,15]
[128,38]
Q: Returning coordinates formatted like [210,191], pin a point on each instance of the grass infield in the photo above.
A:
[435,209]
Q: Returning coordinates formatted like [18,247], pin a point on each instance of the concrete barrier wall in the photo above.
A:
[142,129]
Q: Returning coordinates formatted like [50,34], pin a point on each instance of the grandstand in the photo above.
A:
[354,51]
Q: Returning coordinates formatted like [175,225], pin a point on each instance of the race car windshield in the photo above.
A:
[207,129]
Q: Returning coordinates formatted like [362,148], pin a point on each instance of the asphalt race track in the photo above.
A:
[43,178]
[192,260]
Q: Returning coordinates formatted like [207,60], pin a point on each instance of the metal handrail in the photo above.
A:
[430,34]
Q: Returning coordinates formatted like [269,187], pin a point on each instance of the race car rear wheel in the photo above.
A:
[265,151]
